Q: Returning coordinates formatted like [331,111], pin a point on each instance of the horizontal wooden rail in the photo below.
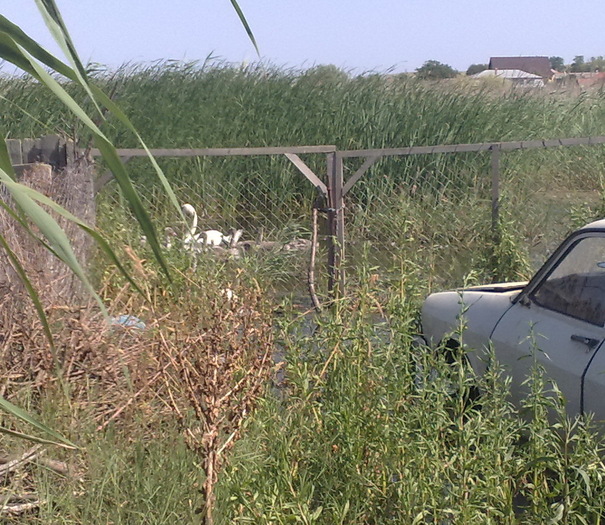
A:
[410,150]
[484,146]
[218,152]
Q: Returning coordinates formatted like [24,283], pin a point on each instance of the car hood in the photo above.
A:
[478,309]
[497,287]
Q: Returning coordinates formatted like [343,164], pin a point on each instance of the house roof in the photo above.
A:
[535,65]
[586,80]
[508,73]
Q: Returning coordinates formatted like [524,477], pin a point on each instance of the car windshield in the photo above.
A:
[576,286]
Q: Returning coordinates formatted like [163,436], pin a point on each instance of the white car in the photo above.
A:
[558,316]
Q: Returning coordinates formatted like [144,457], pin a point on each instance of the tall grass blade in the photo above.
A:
[5,160]
[244,22]
[21,414]
[23,52]
[33,439]
[56,26]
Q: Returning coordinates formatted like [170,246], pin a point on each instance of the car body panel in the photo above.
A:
[467,316]
[555,320]
[528,333]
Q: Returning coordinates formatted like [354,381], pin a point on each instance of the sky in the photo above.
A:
[358,36]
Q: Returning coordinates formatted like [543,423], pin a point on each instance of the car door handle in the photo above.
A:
[588,341]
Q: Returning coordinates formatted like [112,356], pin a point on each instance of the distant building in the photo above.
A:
[539,66]
[516,76]
[589,80]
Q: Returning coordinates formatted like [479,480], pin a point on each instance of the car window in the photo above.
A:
[576,286]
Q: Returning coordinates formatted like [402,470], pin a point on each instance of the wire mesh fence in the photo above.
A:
[433,210]
[265,197]
[438,215]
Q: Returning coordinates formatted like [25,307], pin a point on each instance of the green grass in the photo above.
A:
[358,437]
[359,427]
[443,201]
[351,433]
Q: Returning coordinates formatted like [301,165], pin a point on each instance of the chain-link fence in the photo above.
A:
[454,213]
[469,213]
[265,196]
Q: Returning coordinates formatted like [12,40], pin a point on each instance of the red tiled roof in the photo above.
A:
[590,79]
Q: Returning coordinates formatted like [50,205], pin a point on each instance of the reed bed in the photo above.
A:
[346,428]
[221,105]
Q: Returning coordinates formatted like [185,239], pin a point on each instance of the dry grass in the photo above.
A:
[200,367]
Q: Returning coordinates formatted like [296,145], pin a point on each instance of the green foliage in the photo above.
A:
[129,478]
[557,63]
[504,258]
[435,70]
[473,69]
[365,430]
[579,65]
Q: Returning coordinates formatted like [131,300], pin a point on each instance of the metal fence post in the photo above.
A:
[495,149]
[339,206]
[336,231]
[330,222]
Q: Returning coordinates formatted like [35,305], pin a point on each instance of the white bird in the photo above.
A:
[213,238]
[190,236]
[196,241]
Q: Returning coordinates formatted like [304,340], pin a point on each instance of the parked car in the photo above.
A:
[558,316]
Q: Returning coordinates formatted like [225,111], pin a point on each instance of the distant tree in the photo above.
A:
[557,63]
[433,70]
[473,69]
[579,65]
[597,63]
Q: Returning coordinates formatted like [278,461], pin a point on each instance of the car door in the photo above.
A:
[559,321]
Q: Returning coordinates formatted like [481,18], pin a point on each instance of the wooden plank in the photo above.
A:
[415,150]
[485,146]
[307,172]
[220,152]
[410,150]
[29,151]
[50,151]
[359,173]
[14,151]
[71,151]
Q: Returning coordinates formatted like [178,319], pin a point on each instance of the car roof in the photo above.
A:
[596,225]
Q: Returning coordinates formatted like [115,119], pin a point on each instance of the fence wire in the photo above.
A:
[430,213]
[435,215]
[266,198]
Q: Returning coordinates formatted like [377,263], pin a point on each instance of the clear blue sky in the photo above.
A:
[353,34]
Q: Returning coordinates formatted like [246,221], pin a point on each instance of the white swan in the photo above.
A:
[196,241]
[190,236]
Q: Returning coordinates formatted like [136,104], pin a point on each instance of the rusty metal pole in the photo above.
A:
[340,221]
